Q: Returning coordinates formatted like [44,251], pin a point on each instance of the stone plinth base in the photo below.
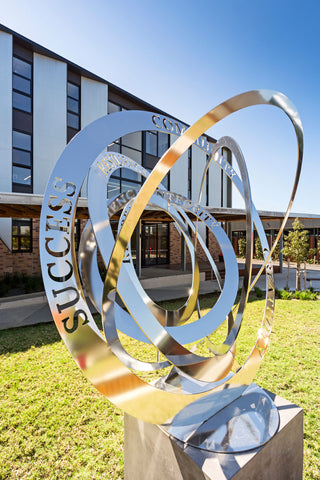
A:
[152,454]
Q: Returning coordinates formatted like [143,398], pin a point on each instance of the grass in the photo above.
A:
[55,425]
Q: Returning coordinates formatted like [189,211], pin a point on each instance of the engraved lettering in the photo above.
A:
[69,304]
[60,204]
[61,278]
[55,253]
[178,129]
[170,127]
[75,320]
[64,187]
[154,120]
[56,225]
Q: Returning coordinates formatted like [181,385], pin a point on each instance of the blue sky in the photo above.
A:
[186,57]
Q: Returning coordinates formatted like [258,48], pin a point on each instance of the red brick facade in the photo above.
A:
[28,263]
[175,248]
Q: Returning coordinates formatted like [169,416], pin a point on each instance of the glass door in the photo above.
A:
[155,244]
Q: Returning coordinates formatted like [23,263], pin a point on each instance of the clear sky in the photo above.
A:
[186,57]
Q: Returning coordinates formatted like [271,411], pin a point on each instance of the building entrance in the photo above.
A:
[155,244]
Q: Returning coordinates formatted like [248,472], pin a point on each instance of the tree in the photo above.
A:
[276,252]
[296,247]
[242,245]
[258,248]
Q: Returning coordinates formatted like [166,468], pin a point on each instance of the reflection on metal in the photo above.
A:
[246,423]
[127,311]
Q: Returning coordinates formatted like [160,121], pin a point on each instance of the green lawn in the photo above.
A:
[55,425]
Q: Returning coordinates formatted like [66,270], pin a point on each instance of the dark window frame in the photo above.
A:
[74,80]
[158,260]
[222,184]
[120,107]
[77,233]
[22,121]
[148,160]
[189,193]
[207,183]
[77,100]
[120,175]
[17,186]
[21,222]
[17,90]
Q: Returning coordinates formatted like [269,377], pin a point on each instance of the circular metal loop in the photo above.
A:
[103,359]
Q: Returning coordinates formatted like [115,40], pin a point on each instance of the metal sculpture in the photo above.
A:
[215,380]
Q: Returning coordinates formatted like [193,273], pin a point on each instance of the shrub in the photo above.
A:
[258,249]
[276,252]
[242,245]
[15,280]
[300,295]
[3,288]
[285,295]
[296,247]
[258,292]
[20,281]
[306,295]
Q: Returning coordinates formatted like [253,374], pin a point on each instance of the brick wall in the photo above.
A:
[175,248]
[28,263]
[174,245]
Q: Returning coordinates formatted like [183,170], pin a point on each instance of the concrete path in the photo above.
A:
[31,309]
[313,271]
[23,310]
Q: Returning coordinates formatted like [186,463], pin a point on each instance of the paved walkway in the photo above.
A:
[31,309]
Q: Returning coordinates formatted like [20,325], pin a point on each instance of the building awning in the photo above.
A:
[25,205]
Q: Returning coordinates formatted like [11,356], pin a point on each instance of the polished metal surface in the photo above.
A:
[246,423]
[125,307]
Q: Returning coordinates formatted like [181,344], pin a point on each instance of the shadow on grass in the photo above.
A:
[21,339]
[206,300]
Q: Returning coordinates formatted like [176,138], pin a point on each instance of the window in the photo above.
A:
[189,172]
[21,84]
[131,146]
[21,159]
[222,177]
[22,120]
[73,104]
[114,107]
[145,148]
[114,187]
[207,184]
[121,182]
[21,235]
[156,144]
[155,244]
[152,143]
[77,233]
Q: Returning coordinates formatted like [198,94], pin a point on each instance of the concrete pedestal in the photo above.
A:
[152,454]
